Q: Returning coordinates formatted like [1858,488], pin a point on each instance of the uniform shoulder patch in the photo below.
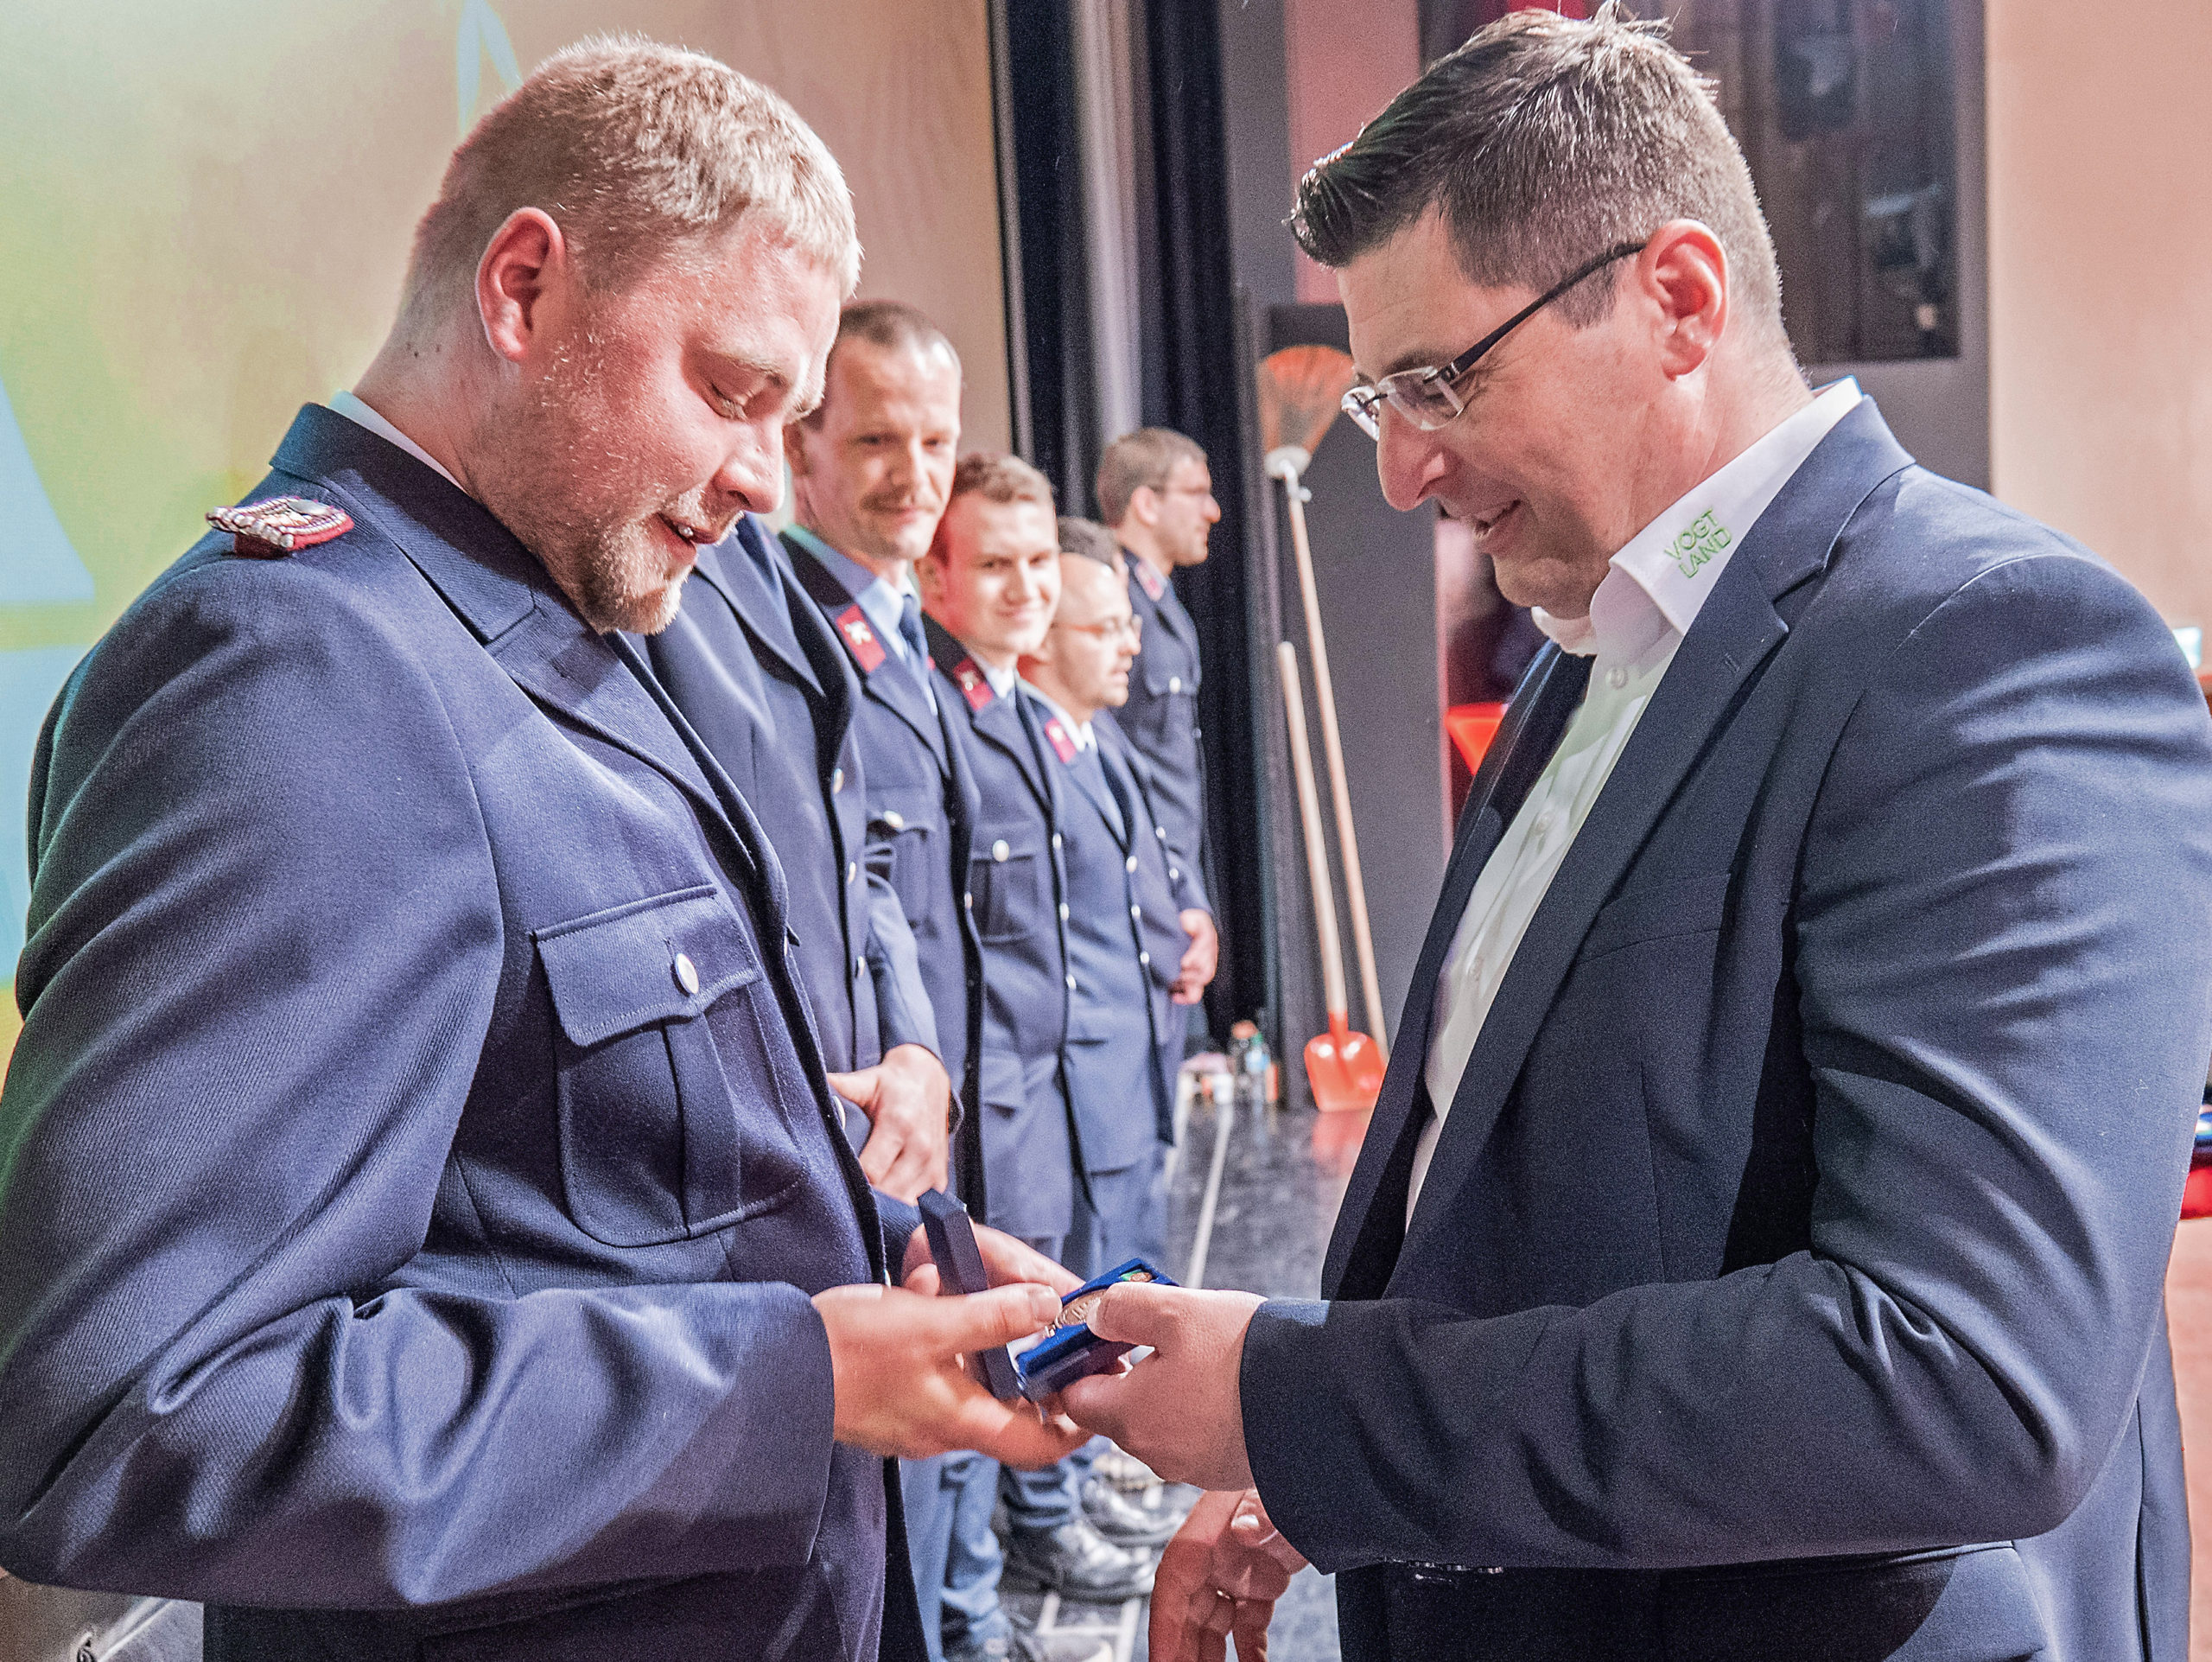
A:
[281,525]
[867,650]
[974,686]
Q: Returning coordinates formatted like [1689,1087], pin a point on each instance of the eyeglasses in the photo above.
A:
[1112,629]
[1429,398]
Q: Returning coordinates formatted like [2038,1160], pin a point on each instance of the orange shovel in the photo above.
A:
[1344,1068]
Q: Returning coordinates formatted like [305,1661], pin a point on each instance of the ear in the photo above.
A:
[1144,506]
[929,577]
[1683,271]
[795,448]
[525,267]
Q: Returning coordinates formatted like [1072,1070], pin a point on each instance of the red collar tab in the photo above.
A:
[1063,746]
[974,686]
[867,651]
[1154,584]
[281,525]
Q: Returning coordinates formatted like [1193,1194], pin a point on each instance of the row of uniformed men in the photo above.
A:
[995,886]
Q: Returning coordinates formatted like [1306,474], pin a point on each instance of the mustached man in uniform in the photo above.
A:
[1128,947]
[871,468]
[425,1224]
[990,583]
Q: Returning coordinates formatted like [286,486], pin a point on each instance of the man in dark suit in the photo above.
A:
[425,1228]
[754,667]
[1129,896]
[1756,1252]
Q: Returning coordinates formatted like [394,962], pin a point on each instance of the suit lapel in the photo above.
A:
[741,570]
[1735,633]
[1372,1217]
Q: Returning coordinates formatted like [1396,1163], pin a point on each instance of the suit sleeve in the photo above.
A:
[2001,967]
[265,942]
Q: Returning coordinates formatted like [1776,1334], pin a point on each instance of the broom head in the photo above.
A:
[1301,389]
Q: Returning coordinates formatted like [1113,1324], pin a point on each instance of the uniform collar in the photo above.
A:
[1079,731]
[346,405]
[1658,582]
[1154,585]
[879,603]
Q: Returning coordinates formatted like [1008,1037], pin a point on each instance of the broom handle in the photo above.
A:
[1362,940]
[1309,813]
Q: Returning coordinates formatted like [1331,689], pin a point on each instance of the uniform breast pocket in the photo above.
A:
[902,844]
[1008,884]
[675,1082]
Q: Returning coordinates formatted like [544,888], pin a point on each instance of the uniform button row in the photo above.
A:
[1056,839]
[1144,958]
[1000,850]
[837,781]
[1064,911]
[1130,864]
[852,871]
[1071,983]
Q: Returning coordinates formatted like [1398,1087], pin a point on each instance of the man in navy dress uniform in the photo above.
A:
[756,670]
[871,468]
[425,1227]
[1131,939]
[1155,493]
[1758,1248]
[990,583]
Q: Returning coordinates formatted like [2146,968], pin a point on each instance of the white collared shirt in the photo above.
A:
[1002,682]
[345,404]
[1644,607]
[1079,731]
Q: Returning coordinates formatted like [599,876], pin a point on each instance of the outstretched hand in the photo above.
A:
[895,1362]
[1006,1260]
[1178,1410]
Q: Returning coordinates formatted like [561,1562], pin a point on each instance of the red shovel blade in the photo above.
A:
[1344,1068]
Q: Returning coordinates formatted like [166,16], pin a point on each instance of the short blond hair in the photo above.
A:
[640,153]
[1140,461]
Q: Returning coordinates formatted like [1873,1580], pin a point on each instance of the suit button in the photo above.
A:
[1173,875]
[1161,831]
[1056,839]
[1144,958]
[1130,864]
[686,972]
[1174,684]
[1136,912]
[1064,911]
[968,901]
[893,818]
[859,968]
[852,871]
[837,781]
[1000,850]
[1071,983]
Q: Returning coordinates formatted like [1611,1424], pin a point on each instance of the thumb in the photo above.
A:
[1000,1317]
[860,1089]
[1134,1313]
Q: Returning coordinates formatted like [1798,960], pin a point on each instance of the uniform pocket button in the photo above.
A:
[686,972]
[1000,850]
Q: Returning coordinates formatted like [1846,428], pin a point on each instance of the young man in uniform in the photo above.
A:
[990,583]
[425,1223]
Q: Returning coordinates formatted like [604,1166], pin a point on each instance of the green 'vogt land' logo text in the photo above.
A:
[1705,538]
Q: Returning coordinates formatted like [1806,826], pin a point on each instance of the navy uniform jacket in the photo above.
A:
[418,1158]
[1125,891]
[1161,717]
[1808,1196]
[1016,892]
[921,813]
[754,668]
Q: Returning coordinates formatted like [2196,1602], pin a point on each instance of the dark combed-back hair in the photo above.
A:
[1544,141]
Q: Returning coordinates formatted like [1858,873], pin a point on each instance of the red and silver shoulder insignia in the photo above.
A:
[281,525]
[973,686]
[1154,584]
[1063,746]
[867,651]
